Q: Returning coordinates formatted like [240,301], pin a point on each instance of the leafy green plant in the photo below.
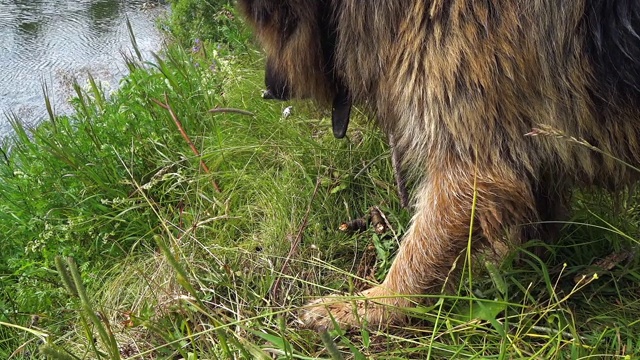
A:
[209,20]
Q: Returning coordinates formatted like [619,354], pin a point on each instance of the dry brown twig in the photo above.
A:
[274,291]
[168,107]
[231,110]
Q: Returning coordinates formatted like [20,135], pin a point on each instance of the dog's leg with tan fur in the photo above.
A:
[439,233]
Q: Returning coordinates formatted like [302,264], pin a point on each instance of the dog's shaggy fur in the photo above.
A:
[458,83]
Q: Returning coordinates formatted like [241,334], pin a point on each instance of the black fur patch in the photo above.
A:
[328,37]
[276,83]
[613,47]
[288,21]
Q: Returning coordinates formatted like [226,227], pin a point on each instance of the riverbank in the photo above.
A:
[201,217]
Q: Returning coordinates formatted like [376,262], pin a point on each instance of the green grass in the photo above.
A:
[170,267]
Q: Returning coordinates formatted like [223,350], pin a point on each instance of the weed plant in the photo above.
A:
[185,217]
[213,20]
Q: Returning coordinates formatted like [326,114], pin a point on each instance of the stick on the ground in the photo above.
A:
[231,110]
[168,107]
[275,288]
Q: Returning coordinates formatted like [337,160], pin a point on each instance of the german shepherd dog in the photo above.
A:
[458,84]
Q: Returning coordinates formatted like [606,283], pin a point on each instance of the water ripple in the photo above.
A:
[57,41]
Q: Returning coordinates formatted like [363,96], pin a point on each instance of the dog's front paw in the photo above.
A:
[374,308]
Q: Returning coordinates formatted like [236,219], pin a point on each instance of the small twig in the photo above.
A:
[378,220]
[388,225]
[168,107]
[605,264]
[232,110]
[354,226]
[294,246]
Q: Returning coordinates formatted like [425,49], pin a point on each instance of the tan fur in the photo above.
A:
[458,83]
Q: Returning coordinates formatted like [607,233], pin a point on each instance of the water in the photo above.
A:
[58,41]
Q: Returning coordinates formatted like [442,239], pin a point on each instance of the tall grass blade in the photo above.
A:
[98,94]
[47,102]
[332,348]
[65,276]
[182,277]
[134,42]
[81,99]
[106,336]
